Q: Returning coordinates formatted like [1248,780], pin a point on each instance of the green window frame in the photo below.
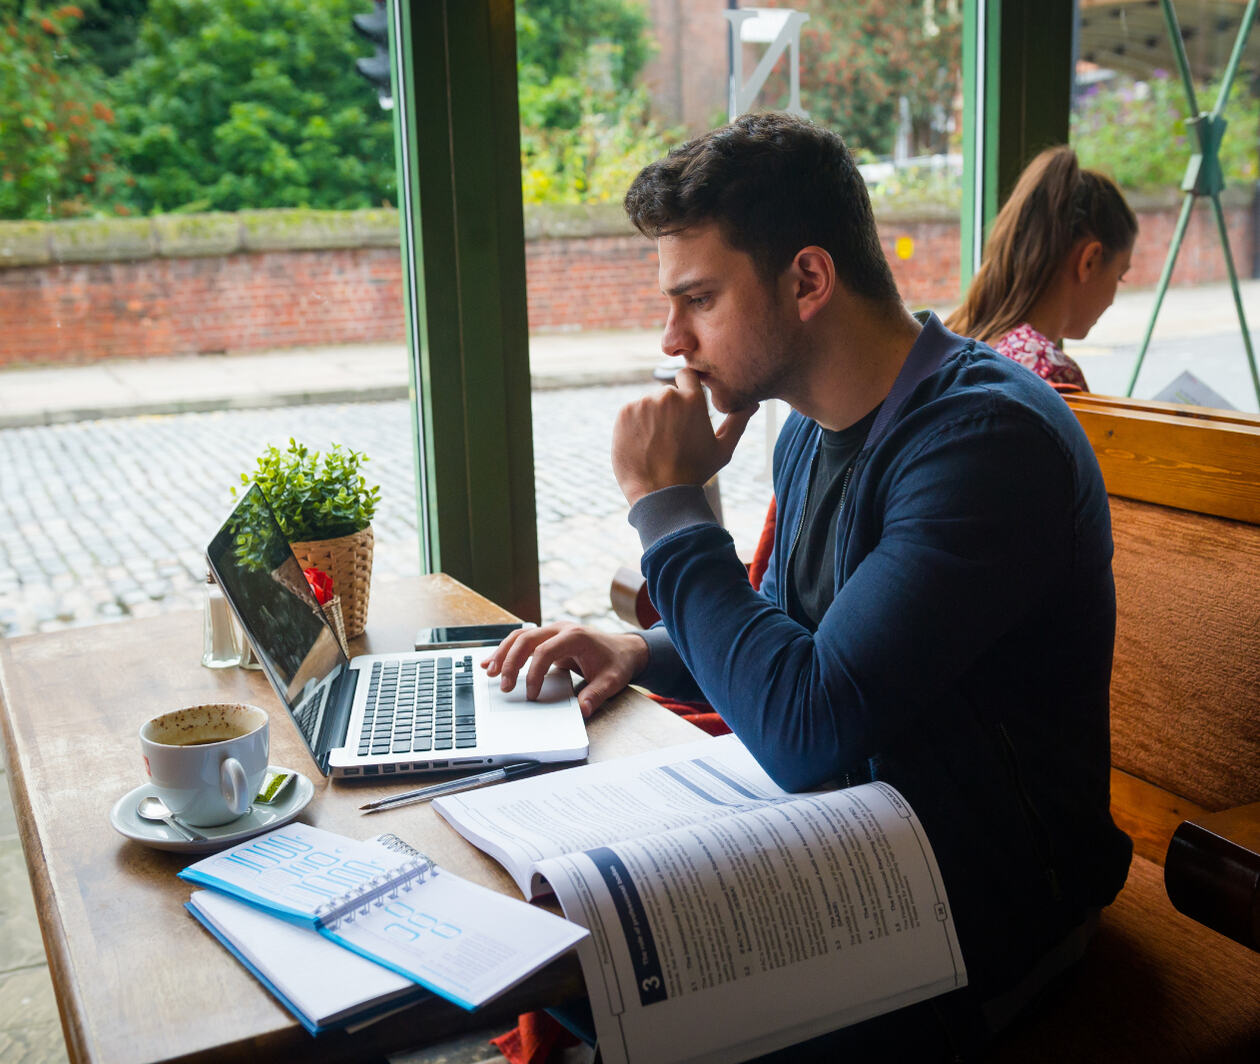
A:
[458,150]
[1017,100]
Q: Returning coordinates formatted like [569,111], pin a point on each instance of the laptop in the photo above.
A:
[378,714]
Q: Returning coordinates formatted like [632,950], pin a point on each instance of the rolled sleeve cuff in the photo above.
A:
[669,510]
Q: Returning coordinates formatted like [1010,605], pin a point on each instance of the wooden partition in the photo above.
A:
[1190,457]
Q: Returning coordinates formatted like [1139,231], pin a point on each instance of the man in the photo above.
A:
[938,611]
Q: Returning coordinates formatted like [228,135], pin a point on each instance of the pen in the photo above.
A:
[436,790]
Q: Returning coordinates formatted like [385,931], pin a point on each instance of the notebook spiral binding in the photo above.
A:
[392,842]
[359,901]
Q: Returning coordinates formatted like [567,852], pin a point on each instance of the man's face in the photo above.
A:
[733,329]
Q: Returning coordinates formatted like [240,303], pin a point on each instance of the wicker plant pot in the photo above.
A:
[332,610]
[348,560]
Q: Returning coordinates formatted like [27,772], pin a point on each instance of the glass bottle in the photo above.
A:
[249,660]
[220,649]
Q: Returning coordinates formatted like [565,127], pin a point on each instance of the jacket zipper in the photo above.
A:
[800,522]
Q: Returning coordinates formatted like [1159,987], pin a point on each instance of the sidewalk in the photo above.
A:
[366,372]
[136,387]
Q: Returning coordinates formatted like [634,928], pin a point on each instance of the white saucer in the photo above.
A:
[259,818]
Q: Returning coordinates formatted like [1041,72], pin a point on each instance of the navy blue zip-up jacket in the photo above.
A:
[965,659]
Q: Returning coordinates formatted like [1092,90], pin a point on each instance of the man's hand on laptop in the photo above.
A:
[606,660]
[667,438]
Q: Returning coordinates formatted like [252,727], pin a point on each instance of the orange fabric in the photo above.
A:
[533,1040]
[698,713]
[761,556]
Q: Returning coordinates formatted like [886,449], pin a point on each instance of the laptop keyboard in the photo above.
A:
[419,706]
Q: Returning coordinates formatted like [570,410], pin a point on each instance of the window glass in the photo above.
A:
[200,258]
[607,86]
[1130,119]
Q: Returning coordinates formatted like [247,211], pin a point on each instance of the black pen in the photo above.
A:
[467,783]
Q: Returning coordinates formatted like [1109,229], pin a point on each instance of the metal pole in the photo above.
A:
[1179,53]
[1233,285]
[1182,221]
[1203,178]
[1231,68]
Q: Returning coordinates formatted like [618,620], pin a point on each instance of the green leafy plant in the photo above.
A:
[1136,132]
[55,135]
[315,496]
[586,123]
[236,104]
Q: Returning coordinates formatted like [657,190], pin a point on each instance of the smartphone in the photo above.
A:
[469,635]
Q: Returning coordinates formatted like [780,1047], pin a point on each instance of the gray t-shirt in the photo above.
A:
[811,573]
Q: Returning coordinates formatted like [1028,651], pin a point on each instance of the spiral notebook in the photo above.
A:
[323,985]
[386,902]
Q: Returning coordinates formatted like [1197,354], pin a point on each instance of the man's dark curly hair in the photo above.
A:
[773,184]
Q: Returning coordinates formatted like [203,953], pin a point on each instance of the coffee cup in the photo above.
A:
[207,762]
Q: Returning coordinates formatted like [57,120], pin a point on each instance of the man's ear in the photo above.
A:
[1089,257]
[814,280]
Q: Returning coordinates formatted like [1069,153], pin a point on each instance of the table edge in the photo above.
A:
[52,931]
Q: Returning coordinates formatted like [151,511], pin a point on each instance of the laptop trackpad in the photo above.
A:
[557,688]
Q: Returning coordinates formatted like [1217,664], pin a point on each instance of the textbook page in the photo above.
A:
[522,822]
[774,925]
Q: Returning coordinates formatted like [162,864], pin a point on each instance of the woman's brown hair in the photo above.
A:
[1055,203]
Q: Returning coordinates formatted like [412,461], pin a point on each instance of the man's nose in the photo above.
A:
[677,339]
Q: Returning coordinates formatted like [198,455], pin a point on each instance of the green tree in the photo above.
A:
[54,125]
[235,104]
[860,59]
[1135,131]
[564,47]
[107,33]
[586,124]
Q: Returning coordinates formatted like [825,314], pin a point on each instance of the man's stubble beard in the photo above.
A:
[773,373]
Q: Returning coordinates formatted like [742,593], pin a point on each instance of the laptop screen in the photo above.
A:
[264,584]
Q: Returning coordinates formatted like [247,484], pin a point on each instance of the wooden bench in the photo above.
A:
[1158,985]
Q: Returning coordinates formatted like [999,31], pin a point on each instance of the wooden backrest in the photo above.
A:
[1189,457]
[1185,693]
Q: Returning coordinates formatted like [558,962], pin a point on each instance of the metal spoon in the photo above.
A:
[153,808]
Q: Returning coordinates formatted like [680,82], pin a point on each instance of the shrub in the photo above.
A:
[314,498]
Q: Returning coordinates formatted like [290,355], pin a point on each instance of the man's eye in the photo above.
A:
[699,301]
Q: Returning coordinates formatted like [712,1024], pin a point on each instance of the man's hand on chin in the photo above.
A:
[666,438]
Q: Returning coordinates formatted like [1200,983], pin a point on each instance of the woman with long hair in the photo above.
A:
[1058,249]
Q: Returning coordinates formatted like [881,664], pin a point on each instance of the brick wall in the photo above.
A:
[87,311]
[600,282]
[270,286]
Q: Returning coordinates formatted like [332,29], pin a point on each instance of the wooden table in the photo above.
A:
[136,977]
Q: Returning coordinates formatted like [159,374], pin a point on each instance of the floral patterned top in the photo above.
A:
[1029,348]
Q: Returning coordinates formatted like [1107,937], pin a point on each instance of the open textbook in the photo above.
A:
[727,917]
[380,899]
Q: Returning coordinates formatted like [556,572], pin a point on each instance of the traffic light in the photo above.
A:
[374,25]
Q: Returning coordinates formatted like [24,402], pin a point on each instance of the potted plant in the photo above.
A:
[324,507]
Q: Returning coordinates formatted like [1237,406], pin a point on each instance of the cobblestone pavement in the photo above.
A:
[108,519]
